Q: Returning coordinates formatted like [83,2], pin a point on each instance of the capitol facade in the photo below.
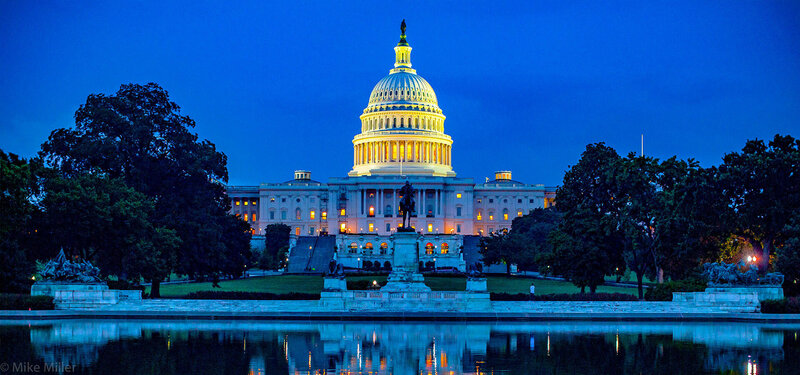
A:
[402,139]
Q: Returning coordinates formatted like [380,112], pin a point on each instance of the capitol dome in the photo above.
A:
[402,127]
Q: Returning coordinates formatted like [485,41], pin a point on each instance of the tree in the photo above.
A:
[17,191]
[761,188]
[276,238]
[532,231]
[108,223]
[586,243]
[139,136]
[788,256]
[500,247]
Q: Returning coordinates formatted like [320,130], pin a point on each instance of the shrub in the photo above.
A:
[25,302]
[789,305]
[214,294]
[363,285]
[564,297]
[663,292]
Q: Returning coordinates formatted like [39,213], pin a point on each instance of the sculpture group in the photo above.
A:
[742,273]
[61,269]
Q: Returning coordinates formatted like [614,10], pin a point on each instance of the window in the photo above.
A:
[342,227]
[430,227]
[505,200]
[298,214]
[388,227]
[283,200]
[458,211]
[530,201]
[312,215]
[237,202]
[283,215]
[246,203]
[311,230]
[505,214]
[388,211]
[341,212]
[371,210]
[479,217]
[491,216]
[458,228]
[297,231]
[353,248]
[272,215]
[298,200]
[519,200]
[458,195]
[371,227]
[519,213]
[272,199]
[368,246]
[429,248]
[491,200]
[253,218]
[254,203]
[445,248]
[384,246]
[311,199]
[245,217]
[324,215]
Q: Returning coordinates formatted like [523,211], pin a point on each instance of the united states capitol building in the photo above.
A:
[402,139]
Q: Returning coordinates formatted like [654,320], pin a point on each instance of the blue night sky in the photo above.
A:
[279,86]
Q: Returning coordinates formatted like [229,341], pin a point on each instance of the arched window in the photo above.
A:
[479,217]
[384,247]
[298,214]
[429,248]
[368,246]
[491,215]
[353,248]
[505,214]
[297,231]
[445,248]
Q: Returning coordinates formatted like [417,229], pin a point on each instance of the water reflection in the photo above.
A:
[213,347]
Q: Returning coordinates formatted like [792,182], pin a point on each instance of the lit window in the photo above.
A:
[272,199]
[237,203]
[341,213]
[491,217]
[368,246]
[246,203]
[245,217]
[298,214]
[480,217]
[445,248]
[255,203]
[297,231]
[312,215]
[430,227]
[342,227]
[505,216]
[254,218]
[371,210]
[324,215]
[371,227]
[479,201]
[353,247]
[519,213]
[458,195]
[429,248]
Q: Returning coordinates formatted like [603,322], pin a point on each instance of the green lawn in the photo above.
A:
[313,284]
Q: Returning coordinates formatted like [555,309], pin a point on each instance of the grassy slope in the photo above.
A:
[313,284]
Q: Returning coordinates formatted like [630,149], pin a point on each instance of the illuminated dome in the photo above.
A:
[402,128]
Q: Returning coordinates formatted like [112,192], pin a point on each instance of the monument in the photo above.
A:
[734,286]
[405,275]
[76,284]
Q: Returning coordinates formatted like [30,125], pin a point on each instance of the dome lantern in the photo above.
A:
[402,53]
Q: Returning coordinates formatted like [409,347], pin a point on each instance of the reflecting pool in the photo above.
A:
[241,347]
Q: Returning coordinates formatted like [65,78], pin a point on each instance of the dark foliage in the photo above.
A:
[214,294]
[564,297]
[25,302]
[363,285]
[789,305]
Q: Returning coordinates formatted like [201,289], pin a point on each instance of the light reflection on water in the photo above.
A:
[240,347]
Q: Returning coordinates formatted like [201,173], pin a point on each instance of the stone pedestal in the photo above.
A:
[334,284]
[405,276]
[77,296]
[476,284]
[731,299]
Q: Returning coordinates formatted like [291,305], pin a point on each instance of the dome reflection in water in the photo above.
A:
[236,347]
